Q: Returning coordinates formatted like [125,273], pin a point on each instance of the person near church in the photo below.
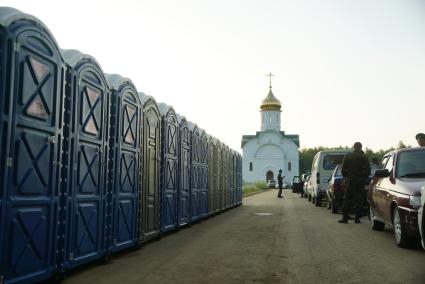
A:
[356,170]
[420,138]
[280,183]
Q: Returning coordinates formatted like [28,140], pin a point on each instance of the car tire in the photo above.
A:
[334,207]
[375,224]
[402,239]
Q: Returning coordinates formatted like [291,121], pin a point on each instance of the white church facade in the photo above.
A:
[270,149]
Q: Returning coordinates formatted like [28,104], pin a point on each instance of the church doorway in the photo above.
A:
[269,175]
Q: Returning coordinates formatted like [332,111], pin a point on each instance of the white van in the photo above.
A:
[321,170]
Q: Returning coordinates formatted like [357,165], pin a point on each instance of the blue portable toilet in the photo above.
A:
[85,159]
[235,178]
[195,175]
[169,168]
[151,151]
[203,185]
[229,178]
[124,159]
[223,175]
[184,171]
[31,98]
[212,175]
[219,171]
[239,178]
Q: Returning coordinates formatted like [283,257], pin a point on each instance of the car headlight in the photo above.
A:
[415,201]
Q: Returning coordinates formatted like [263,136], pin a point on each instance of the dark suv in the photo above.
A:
[394,194]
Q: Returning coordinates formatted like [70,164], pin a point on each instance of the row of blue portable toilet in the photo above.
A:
[89,165]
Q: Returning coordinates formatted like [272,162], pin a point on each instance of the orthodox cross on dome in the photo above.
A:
[270,75]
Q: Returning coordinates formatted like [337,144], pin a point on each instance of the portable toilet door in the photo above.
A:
[151,141]
[238,180]
[32,94]
[224,176]
[203,186]
[183,192]
[235,176]
[85,159]
[5,122]
[124,163]
[232,178]
[219,196]
[195,147]
[229,177]
[211,179]
[169,168]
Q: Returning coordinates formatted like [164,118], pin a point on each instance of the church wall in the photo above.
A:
[269,152]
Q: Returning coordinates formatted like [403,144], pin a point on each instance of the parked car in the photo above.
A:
[297,185]
[336,189]
[324,163]
[394,194]
[421,218]
[306,185]
[271,183]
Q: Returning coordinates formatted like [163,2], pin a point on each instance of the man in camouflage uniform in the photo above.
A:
[356,170]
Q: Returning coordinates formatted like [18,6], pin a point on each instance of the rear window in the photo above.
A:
[331,161]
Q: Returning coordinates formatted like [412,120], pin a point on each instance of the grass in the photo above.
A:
[249,188]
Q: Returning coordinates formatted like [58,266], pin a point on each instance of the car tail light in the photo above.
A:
[337,185]
[318,178]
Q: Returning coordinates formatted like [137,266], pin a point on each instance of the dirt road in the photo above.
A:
[267,240]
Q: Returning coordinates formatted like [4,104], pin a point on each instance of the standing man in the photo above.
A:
[356,170]
[420,138]
[280,183]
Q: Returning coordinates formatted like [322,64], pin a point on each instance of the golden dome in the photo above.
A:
[270,102]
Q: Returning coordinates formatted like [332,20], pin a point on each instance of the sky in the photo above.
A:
[345,71]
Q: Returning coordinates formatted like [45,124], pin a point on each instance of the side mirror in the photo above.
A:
[382,173]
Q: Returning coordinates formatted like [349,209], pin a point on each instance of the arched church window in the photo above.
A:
[289,166]
[250,166]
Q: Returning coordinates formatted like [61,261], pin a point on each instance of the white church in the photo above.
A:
[270,149]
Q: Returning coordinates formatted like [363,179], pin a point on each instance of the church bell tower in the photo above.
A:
[270,111]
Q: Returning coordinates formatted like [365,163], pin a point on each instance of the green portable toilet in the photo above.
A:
[149,222]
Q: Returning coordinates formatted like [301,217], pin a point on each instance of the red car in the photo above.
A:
[336,189]
[394,194]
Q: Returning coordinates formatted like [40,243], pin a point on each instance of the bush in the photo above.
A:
[254,187]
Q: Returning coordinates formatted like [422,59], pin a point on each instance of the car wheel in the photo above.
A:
[375,224]
[402,239]
[334,207]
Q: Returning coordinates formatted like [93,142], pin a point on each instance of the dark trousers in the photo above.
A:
[353,197]
[280,191]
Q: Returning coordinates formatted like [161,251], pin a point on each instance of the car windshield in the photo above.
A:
[411,164]
[330,161]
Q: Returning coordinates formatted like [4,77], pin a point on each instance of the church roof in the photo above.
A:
[270,102]
[293,137]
